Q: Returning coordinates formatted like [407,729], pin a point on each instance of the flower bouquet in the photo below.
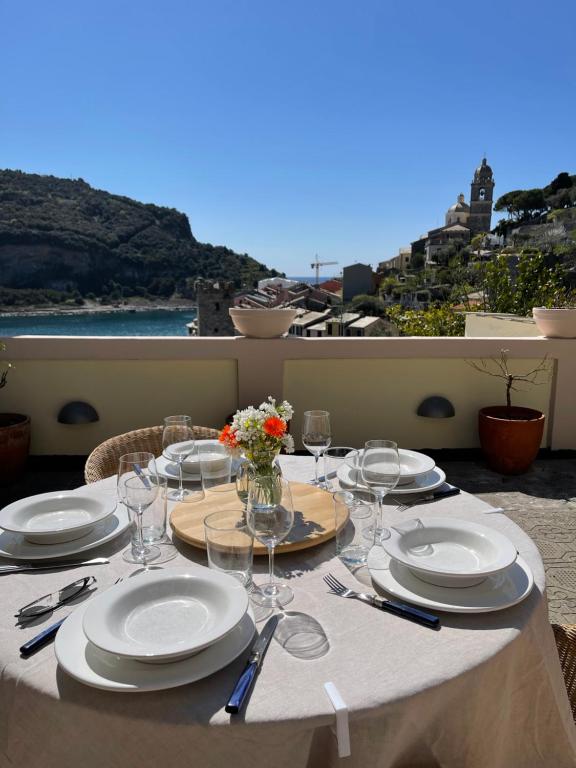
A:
[260,433]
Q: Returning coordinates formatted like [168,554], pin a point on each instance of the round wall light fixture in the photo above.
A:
[436,407]
[78,412]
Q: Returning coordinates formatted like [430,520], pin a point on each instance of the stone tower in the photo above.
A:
[481,191]
[213,300]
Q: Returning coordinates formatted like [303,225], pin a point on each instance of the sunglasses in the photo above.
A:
[49,603]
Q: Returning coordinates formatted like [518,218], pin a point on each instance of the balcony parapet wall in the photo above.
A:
[372,386]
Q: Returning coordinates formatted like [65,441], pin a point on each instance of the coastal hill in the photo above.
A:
[63,236]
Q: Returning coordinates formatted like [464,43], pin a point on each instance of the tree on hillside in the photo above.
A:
[516,288]
[522,205]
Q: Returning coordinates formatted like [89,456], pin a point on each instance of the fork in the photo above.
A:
[398,609]
[40,640]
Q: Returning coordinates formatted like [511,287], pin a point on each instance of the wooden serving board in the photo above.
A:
[314,519]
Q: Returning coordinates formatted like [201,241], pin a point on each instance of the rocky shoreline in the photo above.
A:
[93,308]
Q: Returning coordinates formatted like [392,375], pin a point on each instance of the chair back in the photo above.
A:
[103,461]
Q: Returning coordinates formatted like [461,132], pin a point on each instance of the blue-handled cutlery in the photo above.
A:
[398,609]
[246,679]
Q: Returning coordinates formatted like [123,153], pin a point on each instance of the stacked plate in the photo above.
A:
[453,565]
[190,467]
[52,525]
[157,630]
[418,474]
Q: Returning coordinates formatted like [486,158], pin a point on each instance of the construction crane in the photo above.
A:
[317,264]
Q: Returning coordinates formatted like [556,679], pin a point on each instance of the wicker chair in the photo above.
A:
[565,636]
[103,461]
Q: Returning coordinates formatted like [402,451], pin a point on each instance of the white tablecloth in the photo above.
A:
[486,690]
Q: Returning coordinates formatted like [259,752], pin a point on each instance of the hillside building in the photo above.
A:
[462,221]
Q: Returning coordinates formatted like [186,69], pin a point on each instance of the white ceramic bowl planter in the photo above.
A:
[262,323]
[556,323]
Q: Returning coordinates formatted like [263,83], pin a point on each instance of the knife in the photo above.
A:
[40,640]
[52,566]
[435,495]
[246,679]
[404,611]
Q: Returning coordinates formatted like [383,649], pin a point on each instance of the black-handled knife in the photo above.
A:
[246,679]
[406,612]
[42,639]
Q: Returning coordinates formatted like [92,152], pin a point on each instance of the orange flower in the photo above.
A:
[274,426]
[228,437]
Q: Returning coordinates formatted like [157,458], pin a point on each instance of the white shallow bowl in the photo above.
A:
[15,546]
[262,323]
[413,464]
[191,464]
[449,552]
[557,323]
[91,666]
[53,518]
[495,593]
[167,615]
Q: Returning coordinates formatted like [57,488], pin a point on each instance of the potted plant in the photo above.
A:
[510,435]
[14,436]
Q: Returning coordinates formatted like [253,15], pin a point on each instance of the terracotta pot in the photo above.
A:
[510,437]
[14,445]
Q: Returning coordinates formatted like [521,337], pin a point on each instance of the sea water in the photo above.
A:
[156,322]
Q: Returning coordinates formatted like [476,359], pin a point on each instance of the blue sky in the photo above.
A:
[289,129]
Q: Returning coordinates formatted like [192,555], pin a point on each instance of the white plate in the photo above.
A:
[166,615]
[495,593]
[14,545]
[350,477]
[59,516]
[170,471]
[91,666]
[450,552]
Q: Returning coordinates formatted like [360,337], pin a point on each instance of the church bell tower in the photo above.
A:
[481,191]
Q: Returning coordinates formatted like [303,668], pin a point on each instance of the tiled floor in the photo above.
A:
[542,502]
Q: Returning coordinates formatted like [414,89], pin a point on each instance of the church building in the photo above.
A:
[462,221]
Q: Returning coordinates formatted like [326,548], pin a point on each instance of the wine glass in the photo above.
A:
[177,446]
[270,517]
[316,436]
[137,489]
[380,468]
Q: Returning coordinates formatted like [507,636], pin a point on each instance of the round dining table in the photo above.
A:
[484,691]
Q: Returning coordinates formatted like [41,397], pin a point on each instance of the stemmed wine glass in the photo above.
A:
[380,470]
[177,446]
[137,489]
[270,517]
[316,436]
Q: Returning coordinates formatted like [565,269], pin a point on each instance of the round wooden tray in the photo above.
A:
[314,519]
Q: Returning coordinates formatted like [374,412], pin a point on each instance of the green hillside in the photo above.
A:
[62,235]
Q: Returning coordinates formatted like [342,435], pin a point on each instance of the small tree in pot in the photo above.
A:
[14,436]
[510,435]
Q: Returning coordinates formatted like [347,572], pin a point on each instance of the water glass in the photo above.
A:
[215,467]
[337,460]
[230,544]
[155,516]
[354,518]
